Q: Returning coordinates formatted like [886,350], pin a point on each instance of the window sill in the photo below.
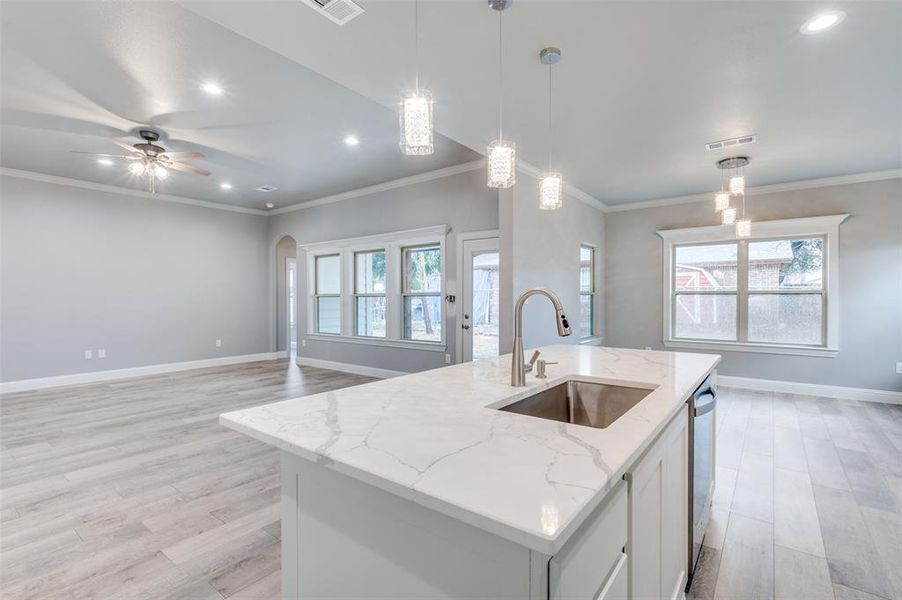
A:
[371,341]
[591,341]
[752,347]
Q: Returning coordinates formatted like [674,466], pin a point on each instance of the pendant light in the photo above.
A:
[501,154]
[416,106]
[551,187]
[736,187]
[721,198]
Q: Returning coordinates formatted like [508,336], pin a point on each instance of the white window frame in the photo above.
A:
[592,294]
[392,243]
[826,227]
[405,287]
[357,294]
[317,295]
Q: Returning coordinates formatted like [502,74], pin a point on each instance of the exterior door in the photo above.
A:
[481,286]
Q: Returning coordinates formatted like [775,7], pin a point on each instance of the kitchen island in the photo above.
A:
[420,487]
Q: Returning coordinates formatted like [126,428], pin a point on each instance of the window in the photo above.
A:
[767,293]
[586,291]
[382,290]
[327,295]
[369,293]
[422,293]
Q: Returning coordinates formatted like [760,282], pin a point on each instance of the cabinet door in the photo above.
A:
[658,515]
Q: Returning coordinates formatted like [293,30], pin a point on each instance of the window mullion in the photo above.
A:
[742,291]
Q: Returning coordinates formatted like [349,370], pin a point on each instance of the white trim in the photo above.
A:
[377,341]
[112,189]
[824,225]
[280,354]
[405,237]
[382,187]
[95,376]
[810,389]
[595,340]
[569,190]
[827,226]
[303,361]
[790,186]
[753,347]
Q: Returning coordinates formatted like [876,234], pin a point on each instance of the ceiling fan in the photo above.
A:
[154,161]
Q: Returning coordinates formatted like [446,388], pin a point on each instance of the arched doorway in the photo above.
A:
[286,296]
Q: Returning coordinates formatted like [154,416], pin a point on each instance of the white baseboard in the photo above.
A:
[95,376]
[811,389]
[348,367]
[281,354]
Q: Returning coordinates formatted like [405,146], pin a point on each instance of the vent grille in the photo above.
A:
[267,188]
[737,141]
[337,11]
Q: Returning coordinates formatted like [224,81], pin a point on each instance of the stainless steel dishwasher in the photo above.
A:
[701,467]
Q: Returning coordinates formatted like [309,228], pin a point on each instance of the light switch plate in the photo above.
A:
[899,368]
[88,355]
[219,343]
[101,353]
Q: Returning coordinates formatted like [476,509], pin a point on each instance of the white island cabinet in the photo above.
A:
[418,487]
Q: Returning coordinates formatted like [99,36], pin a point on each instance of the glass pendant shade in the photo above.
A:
[743,228]
[729,216]
[737,184]
[502,164]
[160,172]
[416,123]
[721,200]
[551,191]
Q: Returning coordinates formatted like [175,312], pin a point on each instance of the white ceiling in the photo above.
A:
[75,74]
[641,88]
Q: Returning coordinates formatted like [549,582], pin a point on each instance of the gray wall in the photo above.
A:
[541,248]
[870,282]
[462,201]
[149,281]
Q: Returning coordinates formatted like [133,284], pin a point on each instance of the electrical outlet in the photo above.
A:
[219,343]
[899,368]
[88,355]
[447,359]
[101,353]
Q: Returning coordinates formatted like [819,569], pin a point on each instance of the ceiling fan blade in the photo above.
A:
[128,147]
[182,155]
[107,155]
[187,168]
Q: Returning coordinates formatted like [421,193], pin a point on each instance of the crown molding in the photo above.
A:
[382,187]
[103,187]
[791,186]
[569,190]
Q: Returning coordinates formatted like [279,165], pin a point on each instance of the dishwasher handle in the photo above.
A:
[704,399]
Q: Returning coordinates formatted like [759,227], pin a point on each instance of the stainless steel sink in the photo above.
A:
[580,403]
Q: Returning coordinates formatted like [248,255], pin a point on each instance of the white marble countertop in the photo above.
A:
[432,438]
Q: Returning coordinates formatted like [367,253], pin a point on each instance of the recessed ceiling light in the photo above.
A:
[225,186]
[270,205]
[822,21]
[351,140]
[212,88]
[104,161]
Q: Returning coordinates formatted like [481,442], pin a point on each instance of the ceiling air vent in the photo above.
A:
[267,188]
[737,141]
[337,11]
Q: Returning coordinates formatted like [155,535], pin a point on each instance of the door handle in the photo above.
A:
[464,326]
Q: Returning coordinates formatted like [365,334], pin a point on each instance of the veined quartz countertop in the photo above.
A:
[431,437]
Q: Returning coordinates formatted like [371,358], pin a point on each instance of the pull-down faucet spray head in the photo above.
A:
[563,325]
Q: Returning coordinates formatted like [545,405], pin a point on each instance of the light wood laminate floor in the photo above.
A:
[132,490]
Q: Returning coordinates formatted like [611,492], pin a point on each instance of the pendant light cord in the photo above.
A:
[550,138]
[416,43]
[500,79]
